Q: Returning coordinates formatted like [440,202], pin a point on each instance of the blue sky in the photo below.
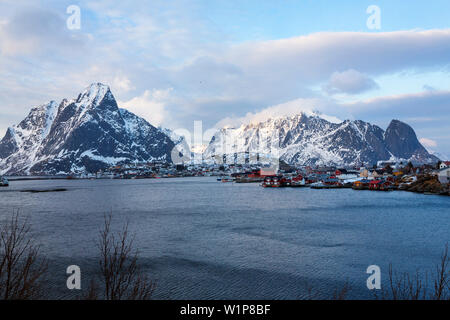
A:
[245,20]
[231,62]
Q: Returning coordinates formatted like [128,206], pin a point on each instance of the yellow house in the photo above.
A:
[357,184]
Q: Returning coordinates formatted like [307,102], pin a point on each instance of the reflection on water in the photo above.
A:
[201,239]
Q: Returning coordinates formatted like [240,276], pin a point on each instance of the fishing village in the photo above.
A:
[385,176]
[426,179]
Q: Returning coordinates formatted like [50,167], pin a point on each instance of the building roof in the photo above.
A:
[267,172]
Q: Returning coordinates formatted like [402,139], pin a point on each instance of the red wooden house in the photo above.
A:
[381,185]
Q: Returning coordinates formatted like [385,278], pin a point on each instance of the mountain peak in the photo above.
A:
[397,123]
[403,143]
[320,115]
[88,133]
[94,94]
[97,86]
[398,128]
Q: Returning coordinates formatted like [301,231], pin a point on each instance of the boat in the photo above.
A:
[250,177]
[295,184]
[283,182]
[4,182]
[317,185]
[298,182]
[105,175]
[227,179]
[272,182]
[248,180]
[321,185]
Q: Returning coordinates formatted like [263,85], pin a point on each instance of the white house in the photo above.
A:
[444,164]
[444,175]
[347,176]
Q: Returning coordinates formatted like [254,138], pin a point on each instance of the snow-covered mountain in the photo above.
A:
[184,152]
[308,139]
[90,133]
[84,134]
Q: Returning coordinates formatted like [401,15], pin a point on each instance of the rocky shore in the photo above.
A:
[427,184]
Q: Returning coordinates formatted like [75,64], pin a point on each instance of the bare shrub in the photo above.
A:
[404,286]
[342,293]
[120,273]
[21,268]
[442,278]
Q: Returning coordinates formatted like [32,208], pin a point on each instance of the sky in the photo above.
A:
[230,62]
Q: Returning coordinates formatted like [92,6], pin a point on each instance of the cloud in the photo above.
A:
[264,73]
[416,106]
[428,143]
[122,84]
[36,30]
[428,88]
[350,82]
[428,112]
[421,119]
[290,108]
[151,105]
[139,47]
[318,55]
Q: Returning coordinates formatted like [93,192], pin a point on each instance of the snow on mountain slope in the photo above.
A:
[307,139]
[84,134]
[22,143]
[90,133]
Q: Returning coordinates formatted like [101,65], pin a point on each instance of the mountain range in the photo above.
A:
[309,139]
[87,133]
[90,133]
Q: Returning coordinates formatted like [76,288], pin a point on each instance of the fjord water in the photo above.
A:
[202,239]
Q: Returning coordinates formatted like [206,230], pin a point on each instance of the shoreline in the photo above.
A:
[50,178]
[25,178]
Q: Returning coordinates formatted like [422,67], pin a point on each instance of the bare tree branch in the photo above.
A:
[120,273]
[21,268]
